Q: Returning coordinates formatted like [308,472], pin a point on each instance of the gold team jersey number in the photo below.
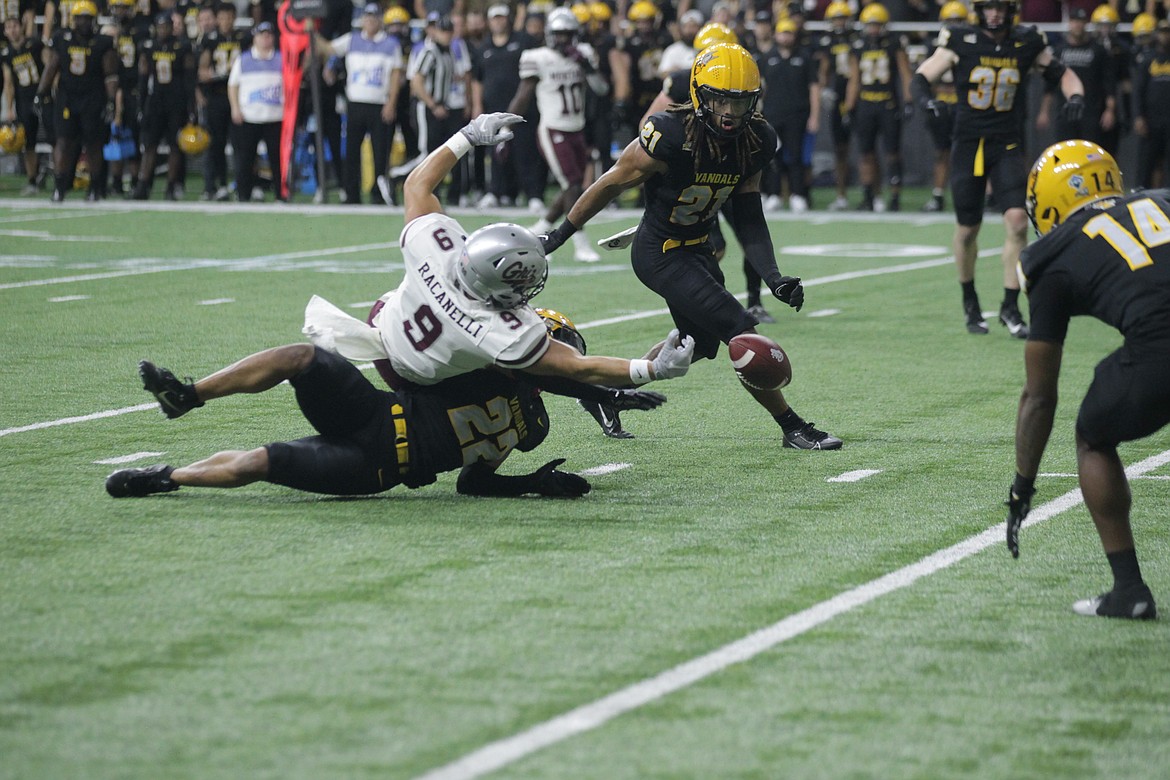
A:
[993,88]
[78,59]
[698,201]
[484,432]
[875,69]
[1153,230]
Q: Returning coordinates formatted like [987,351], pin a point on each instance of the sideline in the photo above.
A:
[502,753]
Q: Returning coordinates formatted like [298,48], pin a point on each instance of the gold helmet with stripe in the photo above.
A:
[713,33]
[725,85]
[1069,176]
[193,139]
[562,328]
[395,14]
[12,138]
[838,9]
[953,11]
[874,13]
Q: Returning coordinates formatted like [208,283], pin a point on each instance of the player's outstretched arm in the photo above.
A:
[673,360]
[419,189]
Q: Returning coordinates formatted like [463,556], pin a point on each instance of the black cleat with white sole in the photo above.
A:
[1011,319]
[176,398]
[808,437]
[975,322]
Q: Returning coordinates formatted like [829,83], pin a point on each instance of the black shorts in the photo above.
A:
[872,121]
[161,122]
[1127,399]
[974,162]
[690,280]
[79,118]
[354,453]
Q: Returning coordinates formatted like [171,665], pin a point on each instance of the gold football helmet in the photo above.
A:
[1105,14]
[600,11]
[953,11]
[713,33]
[725,85]
[642,10]
[838,9]
[562,329]
[12,138]
[395,15]
[582,12]
[874,13]
[1069,176]
[193,139]
[1144,24]
[83,8]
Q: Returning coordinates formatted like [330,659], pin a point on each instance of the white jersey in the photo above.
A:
[432,331]
[676,56]
[560,89]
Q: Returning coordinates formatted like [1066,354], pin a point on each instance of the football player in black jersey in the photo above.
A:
[692,159]
[128,38]
[21,59]
[88,66]
[840,80]
[166,74]
[370,440]
[1102,253]
[218,50]
[990,62]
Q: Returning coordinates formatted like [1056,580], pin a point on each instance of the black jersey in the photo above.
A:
[645,54]
[877,61]
[223,51]
[683,202]
[127,43]
[786,81]
[1094,67]
[1112,264]
[837,48]
[1151,87]
[988,77]
[25,63]
[167,65]
[677,86]
[82,72]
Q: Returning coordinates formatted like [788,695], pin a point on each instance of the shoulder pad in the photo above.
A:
[662,136]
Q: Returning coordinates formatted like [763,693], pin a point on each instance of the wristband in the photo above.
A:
[459,145]
[640,372]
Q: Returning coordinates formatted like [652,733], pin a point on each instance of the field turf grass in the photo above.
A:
[262,632]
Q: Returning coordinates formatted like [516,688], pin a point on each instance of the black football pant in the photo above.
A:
[364,119]
[249,136]
[218,115]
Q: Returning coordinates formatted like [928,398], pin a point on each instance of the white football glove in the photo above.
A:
[491,129]
[674,358]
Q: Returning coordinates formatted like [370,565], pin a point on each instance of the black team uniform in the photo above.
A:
[218,53]
[167,85]
[25,64]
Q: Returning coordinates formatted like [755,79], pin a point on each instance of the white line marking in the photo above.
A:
[90,277]
[44,235]
[82,418]
[129,458]
[51,216]
[854,476]
[67,298]
[604,468]
[1143,476]
[504,752]
[216,301]
[823,313]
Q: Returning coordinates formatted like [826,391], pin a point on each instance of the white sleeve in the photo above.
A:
[530,63]
[519,347]
[341,45]
[234,73]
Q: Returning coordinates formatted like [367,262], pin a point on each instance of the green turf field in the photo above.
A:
[267,633]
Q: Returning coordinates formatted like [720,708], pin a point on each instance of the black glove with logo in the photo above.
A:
[789,290]
[1074,109]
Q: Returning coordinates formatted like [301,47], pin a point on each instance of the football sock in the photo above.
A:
[937,192]
[1010,297]
[1126,571]
[969,291]
[790,421]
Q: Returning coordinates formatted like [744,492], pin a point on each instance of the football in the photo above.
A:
[759,362]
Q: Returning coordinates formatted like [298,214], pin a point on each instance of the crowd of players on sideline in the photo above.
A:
[131,76]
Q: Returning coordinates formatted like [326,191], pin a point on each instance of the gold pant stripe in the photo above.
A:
[979,159]
[675,243]
[401,444]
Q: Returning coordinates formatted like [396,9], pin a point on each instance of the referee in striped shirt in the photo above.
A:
[439,73]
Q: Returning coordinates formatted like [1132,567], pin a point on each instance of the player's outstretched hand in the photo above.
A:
[559,484]
[641,400]
[491,129]
[1019,503]
[674,359]
[789,290]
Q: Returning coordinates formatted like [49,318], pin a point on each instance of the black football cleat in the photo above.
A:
[975,322]
[607,417]
[1011,318]
[1133,604]
[934,205]
[135,483]
[175,397]
[807,437]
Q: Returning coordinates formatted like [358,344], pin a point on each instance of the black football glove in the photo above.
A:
[907,111]
[559,484]
[556,239]
[1073,109]
[41,106]
[642,400]
[1019,503]
[108,113]
[936,108]
[790,291]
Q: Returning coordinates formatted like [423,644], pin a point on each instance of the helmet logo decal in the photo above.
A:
[1077,182]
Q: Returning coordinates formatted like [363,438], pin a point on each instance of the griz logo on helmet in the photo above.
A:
[517,275]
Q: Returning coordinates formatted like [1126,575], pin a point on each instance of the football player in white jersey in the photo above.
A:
[463,304]
[558,74]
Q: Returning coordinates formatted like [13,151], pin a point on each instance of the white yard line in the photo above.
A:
[504,752]
[129,458]
[604,468]
[79,419]
[854,476]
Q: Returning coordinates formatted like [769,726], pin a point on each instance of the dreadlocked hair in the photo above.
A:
[702,138]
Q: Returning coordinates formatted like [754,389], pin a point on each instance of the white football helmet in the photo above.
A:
[503,265]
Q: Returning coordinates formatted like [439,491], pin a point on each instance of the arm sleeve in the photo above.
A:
[752,231]
[570,388]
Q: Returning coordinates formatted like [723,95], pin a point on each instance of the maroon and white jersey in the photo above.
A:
[560,89]
[428,328]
